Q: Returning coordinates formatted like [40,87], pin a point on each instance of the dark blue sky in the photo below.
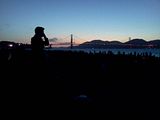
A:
[88,19]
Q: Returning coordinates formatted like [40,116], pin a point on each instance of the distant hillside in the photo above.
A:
[115,42]
[154,42]
[135,43]
[94,44]
[6,44]
[12,45]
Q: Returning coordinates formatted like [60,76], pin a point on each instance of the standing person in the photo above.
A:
[38,42]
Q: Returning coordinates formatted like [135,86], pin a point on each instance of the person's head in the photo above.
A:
[39,31]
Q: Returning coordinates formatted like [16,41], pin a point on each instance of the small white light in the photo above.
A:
[10,45]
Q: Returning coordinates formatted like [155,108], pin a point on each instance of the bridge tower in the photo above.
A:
[71,41]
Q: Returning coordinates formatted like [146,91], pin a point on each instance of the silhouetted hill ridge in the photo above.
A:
[117,44]
[136,42]
[155,42]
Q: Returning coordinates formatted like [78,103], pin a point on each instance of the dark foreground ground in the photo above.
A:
[116,86]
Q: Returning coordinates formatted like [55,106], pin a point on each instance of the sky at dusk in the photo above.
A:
[87,19]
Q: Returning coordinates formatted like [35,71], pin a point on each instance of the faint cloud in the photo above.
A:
[53,39]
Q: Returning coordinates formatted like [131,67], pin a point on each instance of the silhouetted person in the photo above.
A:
[38,42]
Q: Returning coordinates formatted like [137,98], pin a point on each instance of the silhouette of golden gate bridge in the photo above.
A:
[69,41]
